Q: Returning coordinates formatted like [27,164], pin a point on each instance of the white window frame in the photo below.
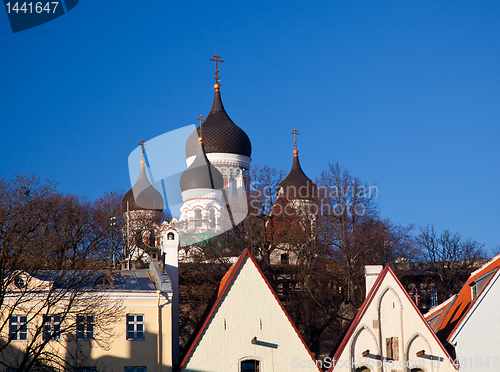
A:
[21,328]
[88,332]
[135,323]
[51,327]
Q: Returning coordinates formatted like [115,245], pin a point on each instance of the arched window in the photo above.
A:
[198,218]
[212,218]
[363,369]
[170,236]
[104,282]
[250,365]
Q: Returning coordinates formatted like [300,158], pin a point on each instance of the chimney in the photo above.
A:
[170,258]
[371,274]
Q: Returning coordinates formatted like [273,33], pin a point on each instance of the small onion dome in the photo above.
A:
[297,185]
[220,134]
[146,196]
[201,174]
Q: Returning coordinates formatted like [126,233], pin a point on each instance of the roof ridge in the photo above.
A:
[433,309]
[484,266]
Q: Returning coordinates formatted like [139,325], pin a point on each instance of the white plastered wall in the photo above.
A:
[390,314]
[249,309]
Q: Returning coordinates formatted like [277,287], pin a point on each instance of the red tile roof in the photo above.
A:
[454,312]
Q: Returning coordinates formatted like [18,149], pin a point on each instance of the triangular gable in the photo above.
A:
[295,346]
[372,324]
[460,307]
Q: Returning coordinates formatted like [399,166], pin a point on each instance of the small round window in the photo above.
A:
[20,281]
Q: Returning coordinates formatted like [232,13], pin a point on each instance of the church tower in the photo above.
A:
[215,184]
[227,146]
[297,189]
[201,185]
[142,208]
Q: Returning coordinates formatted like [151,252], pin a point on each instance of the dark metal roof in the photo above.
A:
[297,185]
[143,196]
[151,279]
[220,134]
[201,174]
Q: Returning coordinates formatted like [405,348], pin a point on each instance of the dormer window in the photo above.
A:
[104,282]
[20,281]
[473,291]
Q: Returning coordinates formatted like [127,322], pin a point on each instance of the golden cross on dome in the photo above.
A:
[216,59]
[142,143]
[200,119]
[295,132]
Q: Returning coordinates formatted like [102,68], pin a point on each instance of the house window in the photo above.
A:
[135,369]
[51,327]
[392,348]
[85,369]
[85,327]
[18,328]
[250,365]
[473,288]
[135,327]
[285,259]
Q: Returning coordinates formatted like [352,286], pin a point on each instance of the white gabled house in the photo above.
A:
[468,323]
[246,329]
[389,333]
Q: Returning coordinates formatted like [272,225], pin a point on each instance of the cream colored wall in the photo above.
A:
[125,353]
[139,353]
[238,320]
[391,314]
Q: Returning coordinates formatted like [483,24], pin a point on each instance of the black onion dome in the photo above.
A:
[297,185]
[220,134]
[146,196]
[201,174]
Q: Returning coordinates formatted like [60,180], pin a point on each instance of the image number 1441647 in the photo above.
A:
[27,14]
[38,7]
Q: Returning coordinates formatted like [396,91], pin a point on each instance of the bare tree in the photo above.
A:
[111,224]
[450,257]
[49,253]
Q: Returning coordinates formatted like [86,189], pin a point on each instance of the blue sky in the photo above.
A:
[404,94]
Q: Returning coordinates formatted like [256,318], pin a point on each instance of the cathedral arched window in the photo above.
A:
[212,218]
[198,218]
